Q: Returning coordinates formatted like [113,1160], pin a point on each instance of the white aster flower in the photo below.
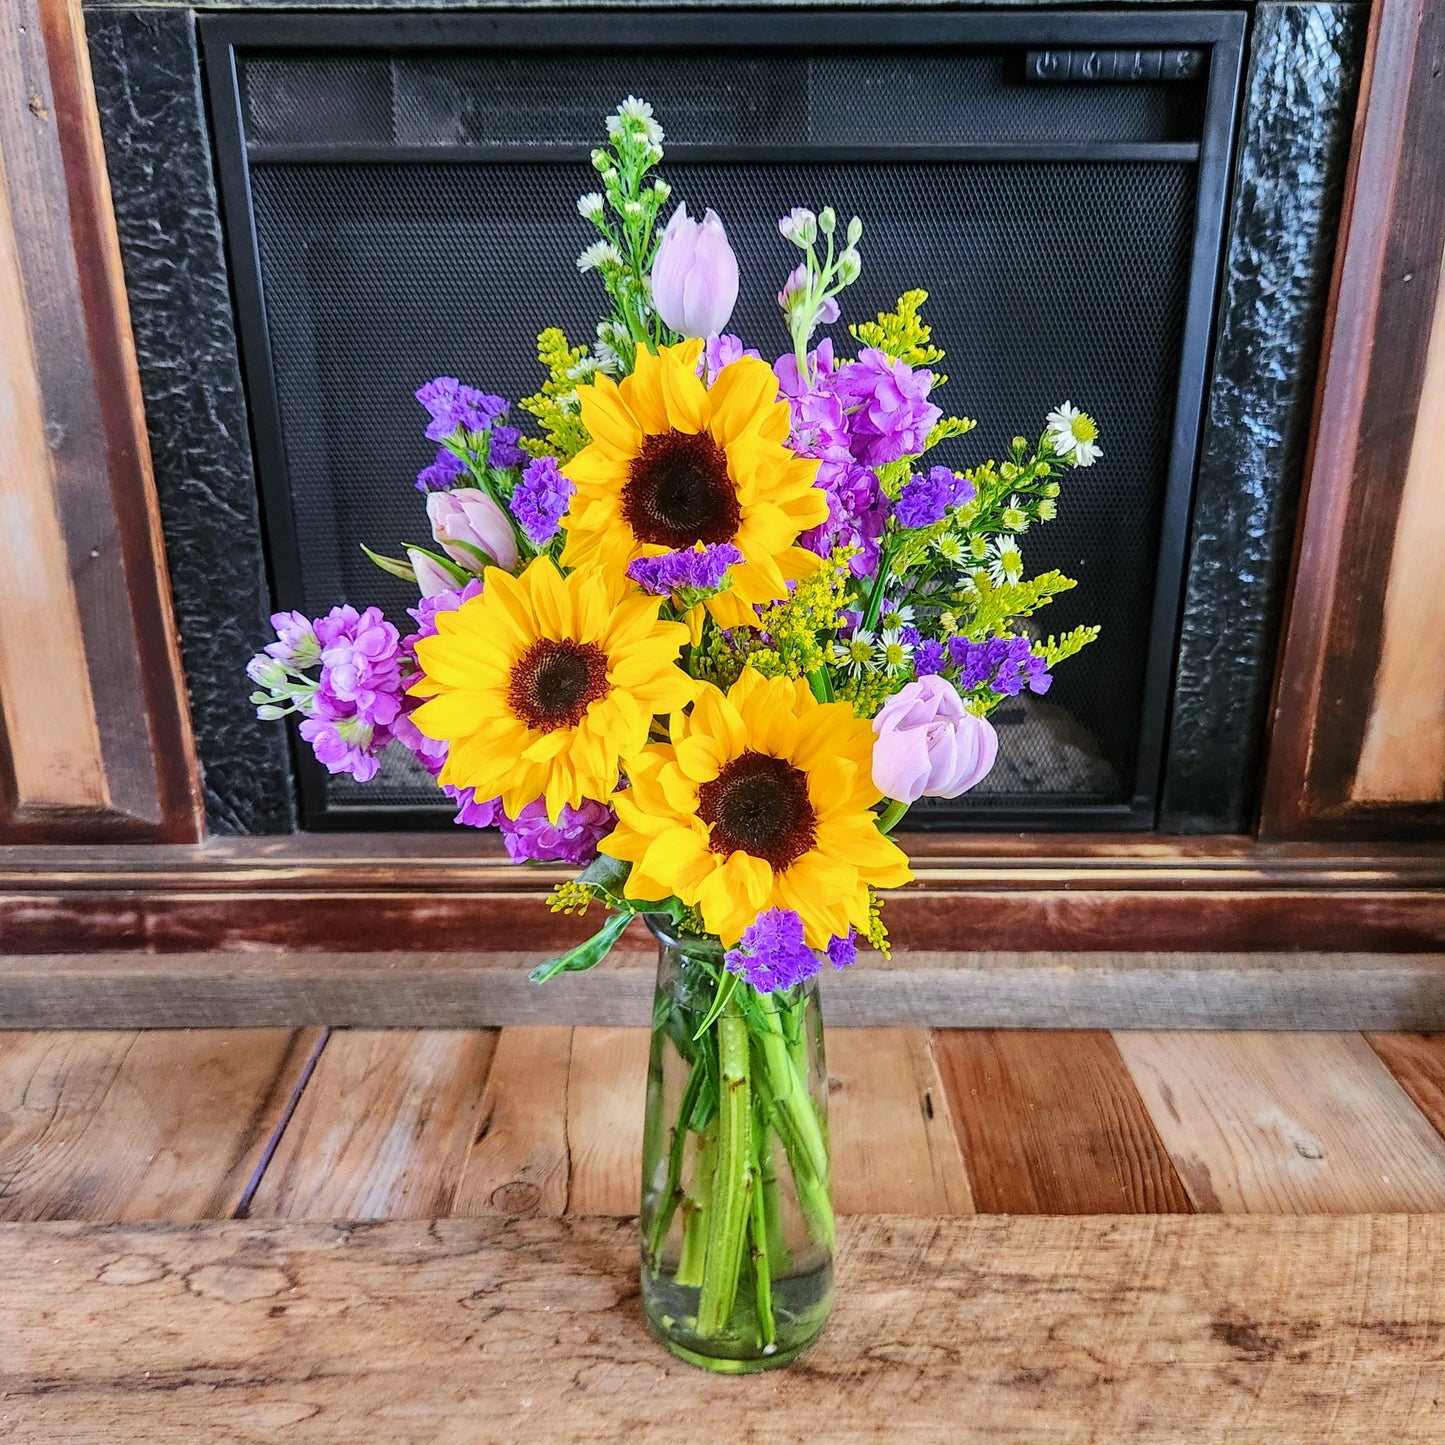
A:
[589,207]
[1014,517]
[1073,434]
[894,616]
[856,656]
[895,653]
[634,115]
[949,547]
[598,255]
[1005,561]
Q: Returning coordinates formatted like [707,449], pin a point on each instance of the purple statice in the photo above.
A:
[773,954]
[1006,665]
[541,500]
[442,475]
[928,498]
[573,838]
[504,449]
[474,812]
[928,658]
[889,414]
[843,949]
[453,405]
[719,350]
[690,569]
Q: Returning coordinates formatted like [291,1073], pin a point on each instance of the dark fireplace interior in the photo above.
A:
[396,198]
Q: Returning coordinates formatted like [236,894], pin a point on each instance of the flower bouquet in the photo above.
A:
[707,633]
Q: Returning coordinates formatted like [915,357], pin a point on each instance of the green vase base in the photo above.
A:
[729,1364]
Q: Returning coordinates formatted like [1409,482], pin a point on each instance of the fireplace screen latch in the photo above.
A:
[1114,65]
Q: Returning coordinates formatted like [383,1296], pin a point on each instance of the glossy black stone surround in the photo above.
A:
[1301,82]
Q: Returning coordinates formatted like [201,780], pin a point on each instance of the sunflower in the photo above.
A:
[673,463]
[762,800]
[545,686]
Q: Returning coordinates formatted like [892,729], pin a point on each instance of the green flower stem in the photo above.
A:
[891,816]
[672,1192]
[771,1196]
[762,1267]
[797,1124]
[695,1209]
[732,1178]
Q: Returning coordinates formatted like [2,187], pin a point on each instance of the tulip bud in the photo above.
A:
[431,577]
[929,744]
[695,274]
[467,522]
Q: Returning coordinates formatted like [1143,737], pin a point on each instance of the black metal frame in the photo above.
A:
[1220,32]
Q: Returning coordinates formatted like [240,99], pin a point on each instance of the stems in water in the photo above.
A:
[732,1177]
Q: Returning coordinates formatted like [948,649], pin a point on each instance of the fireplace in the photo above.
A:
[395,188]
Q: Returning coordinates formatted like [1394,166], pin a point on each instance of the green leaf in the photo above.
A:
[726,983]
[585,955]
[404,570]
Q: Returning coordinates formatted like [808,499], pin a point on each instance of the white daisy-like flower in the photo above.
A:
[1005,561]
[635,115]
[894,653]
[1074,434]
[607,359]
[856,656]
[1014,517]
[598,255]
[949,547]
[894,616]
[589,207]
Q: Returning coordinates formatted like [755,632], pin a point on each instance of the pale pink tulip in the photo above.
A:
[694,274]
[467,521]
[929,744]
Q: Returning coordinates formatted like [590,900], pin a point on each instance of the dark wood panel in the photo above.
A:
[95,466]
[1051,1123]
[1387,278]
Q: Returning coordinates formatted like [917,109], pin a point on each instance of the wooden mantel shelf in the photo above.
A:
[1102,1328]
[976,892]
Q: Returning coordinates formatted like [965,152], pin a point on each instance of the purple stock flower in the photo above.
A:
[843,949]
[928,498]
[442,474]
[296,643]
[346,745]
[361,658]
[541,499]
[426,609]
[473,812]
[431,753]
[504,450]
[453,405]
[773,954]
[857,515]
[890,415]
[696,569]
[721,349]
[573,838]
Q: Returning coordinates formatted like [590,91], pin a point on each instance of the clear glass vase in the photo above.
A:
[737,1214]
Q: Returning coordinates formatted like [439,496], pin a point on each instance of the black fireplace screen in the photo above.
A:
[403,207]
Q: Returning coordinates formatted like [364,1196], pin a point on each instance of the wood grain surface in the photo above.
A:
[606,1100]
[116,1126]
[1190,1330]
[1051,1123]
[894,1146]
[1287,1124]
[1418,1063]
[382,1129]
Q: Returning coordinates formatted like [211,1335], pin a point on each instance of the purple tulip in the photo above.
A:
[695,274]
[432,579]
[929,745]
[467,521]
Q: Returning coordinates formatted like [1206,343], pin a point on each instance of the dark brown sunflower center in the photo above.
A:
[679,492]
[759,804]
[554,683]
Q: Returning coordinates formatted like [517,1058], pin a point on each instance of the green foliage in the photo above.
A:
[555,405]
[902,334]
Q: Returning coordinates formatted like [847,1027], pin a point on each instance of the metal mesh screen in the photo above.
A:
[379,275]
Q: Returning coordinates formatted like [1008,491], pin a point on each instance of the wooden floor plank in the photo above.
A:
[382,1129]
[127,1126]
[1418,1063]
[606,1097]
[1287,1123]
[519,1162]
[1077,1330]
[1051,1123]
[894,1148]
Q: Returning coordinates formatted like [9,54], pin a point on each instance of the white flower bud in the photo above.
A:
[827,220]
[589,207]
[855,231]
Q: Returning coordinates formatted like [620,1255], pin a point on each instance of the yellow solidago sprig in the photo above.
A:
[902,334]
[555,404]
[800,627]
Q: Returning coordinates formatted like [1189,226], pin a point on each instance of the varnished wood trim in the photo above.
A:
[1387,270]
